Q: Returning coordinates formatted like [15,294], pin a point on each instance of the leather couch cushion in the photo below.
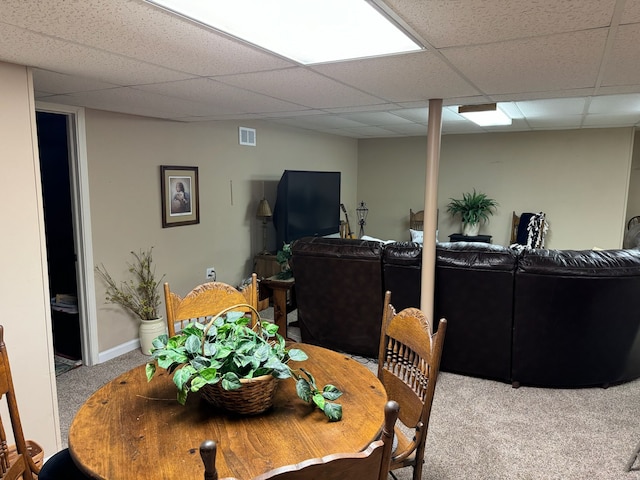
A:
[479,256]
[592,263]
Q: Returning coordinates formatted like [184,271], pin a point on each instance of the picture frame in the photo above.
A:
[180,195]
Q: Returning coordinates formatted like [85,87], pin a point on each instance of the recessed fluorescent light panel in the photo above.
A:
[487,115]
[306,31]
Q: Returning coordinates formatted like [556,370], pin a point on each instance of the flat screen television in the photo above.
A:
[307,204]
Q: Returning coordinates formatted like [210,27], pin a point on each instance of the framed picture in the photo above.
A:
[180,196]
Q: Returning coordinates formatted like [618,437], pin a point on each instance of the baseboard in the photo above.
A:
[119,350]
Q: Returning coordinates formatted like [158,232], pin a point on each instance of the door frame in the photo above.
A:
[81,214]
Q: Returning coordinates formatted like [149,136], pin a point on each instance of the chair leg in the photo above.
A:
[633,458]
[417,470]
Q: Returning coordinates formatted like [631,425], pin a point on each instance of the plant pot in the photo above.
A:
[150,329]
[255,396]
[470,229]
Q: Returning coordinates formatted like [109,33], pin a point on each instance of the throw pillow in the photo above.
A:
[416,235]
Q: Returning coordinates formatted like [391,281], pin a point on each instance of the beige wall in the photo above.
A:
[633,205]
[125,154]
[25,313]
[579,178]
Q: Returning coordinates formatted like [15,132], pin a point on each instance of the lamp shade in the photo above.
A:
[264,209]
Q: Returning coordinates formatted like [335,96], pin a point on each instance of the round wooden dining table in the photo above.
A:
[134,429]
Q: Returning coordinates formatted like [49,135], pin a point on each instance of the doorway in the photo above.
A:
[67,220]
[59,230]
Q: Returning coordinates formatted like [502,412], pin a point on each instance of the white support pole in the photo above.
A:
[434,131]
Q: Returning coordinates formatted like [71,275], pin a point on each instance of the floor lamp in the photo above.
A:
[264,212]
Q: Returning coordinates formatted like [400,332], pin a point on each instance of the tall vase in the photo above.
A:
[470,229]
[150,329]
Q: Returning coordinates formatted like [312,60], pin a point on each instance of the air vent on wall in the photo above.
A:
[247,136]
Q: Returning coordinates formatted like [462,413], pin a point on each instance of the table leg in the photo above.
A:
[280,311]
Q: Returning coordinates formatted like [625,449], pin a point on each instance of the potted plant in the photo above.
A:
[283,256]
[229,360]
[138,295]
[473,208]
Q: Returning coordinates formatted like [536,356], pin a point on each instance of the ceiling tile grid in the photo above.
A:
[553,64]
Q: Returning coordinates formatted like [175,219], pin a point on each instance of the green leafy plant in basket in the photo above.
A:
[228,350]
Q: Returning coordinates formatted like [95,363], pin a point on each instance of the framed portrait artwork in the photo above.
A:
[180,195]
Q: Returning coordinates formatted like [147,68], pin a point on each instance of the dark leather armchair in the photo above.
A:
[339,293]
[473,291]
[575,324]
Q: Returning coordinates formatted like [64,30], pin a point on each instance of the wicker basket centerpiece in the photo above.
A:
[235,360]
[253,397]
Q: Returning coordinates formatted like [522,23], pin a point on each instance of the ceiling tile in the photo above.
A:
[362,108]
[401,78]
[227,98]
[417,115]
[546,95]
[623,65]
[26,48]
[536,64]
[609,120]
[301,86]
[411,129]
[556,107]
[129,98]
[371,131]
[446,23]
[327,121]
[556,122]
[631,12]
[615,104]
[60,83]
[376,118]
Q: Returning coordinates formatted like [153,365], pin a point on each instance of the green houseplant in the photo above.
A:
[227,351]
[139,295]
[473,208]
[283,256]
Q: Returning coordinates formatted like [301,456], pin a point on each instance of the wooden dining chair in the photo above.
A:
[416,220]
[408,367]
[18,464]
[370,464]
[206,300]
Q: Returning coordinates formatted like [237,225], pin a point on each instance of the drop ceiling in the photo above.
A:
[556,64]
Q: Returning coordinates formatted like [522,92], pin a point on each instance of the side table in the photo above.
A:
[458,237]
[265,265]
[279,289]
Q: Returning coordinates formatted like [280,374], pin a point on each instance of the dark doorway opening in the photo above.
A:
[53,144]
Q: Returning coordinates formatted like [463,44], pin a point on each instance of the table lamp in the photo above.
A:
[264,212]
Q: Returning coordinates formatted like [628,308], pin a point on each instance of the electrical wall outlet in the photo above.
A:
[210,274]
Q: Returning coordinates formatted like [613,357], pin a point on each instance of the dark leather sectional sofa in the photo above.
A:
[553,318]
